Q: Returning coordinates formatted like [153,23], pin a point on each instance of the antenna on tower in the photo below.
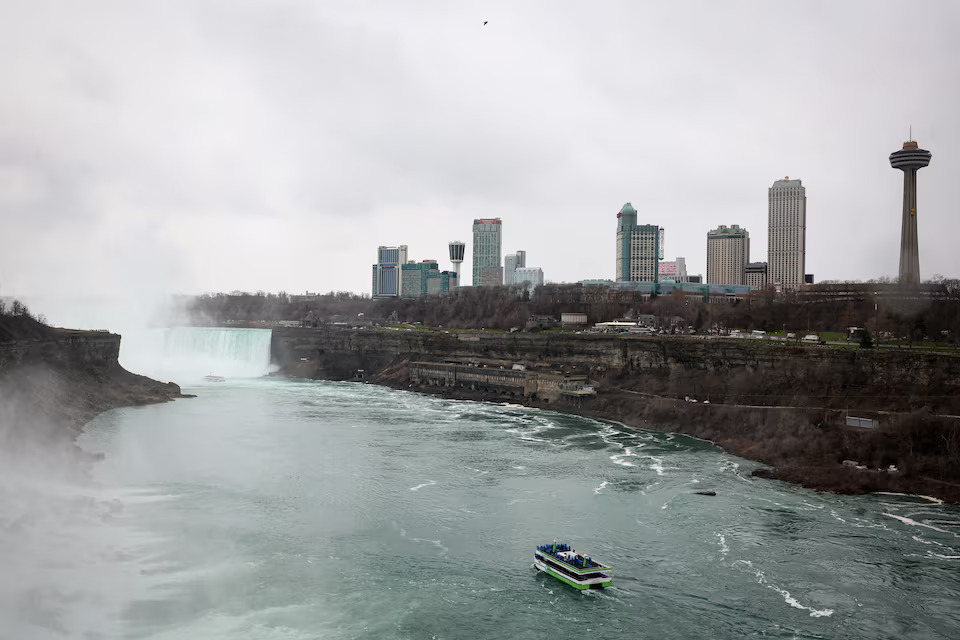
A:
[911,133]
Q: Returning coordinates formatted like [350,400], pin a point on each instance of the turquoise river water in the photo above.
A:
[276,509]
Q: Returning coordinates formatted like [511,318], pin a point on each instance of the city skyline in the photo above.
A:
[243,158]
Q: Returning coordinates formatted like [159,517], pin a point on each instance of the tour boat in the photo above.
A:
[582,572]
[213,378]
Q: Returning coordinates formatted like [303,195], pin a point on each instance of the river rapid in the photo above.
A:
[278,509]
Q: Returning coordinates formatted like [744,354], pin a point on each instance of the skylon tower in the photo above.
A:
[457,250]
[908,160]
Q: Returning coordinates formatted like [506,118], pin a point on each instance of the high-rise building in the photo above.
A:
[757,275]
[491,277]
[531,277]
[728,250]
[639,247]
[386,272]
[675,271]
[512,262]
[487,236]
[415,276]
[457,250]
[786,234]
[440,282]
[909,160]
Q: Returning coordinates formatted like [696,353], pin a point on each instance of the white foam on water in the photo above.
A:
[860,522]
[428,483]
[520,468]
[909,495]
[729,465]
[602,485]
[948,548]
[790,600]
[865,524]
[724,549]
[531,439]
[618,458]
[657,465]
[607,430]
[814,613]
[906,520]
[835,515]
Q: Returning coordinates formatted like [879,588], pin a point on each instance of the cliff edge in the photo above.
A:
[53,381]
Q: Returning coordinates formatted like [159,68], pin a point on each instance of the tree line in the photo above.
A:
[914,318]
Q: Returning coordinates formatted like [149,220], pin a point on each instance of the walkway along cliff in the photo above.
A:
[788,406]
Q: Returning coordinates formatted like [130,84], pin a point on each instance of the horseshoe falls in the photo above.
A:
[186,354]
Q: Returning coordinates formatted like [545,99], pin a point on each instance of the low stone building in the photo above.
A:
[573,319]
[519,382]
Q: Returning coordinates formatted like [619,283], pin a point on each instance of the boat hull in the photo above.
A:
[582,585]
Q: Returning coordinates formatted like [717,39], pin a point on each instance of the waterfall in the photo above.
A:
[186,354]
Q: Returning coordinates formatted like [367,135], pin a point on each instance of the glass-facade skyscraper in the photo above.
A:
[386,271]
[487,239]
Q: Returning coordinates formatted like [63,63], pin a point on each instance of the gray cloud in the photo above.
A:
[213,145]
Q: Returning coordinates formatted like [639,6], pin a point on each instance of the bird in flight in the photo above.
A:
[485,21]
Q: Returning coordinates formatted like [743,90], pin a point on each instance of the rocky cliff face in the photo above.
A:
[744,372]
[50,386]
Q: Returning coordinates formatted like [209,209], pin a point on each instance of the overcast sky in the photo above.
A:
[205,145]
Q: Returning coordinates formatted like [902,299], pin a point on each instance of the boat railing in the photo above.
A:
[579,562]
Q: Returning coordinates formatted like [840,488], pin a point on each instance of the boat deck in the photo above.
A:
[569,557]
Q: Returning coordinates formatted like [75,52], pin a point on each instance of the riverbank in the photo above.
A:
[787,441]
[785,406]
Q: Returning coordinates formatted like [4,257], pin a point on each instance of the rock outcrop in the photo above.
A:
[54,382]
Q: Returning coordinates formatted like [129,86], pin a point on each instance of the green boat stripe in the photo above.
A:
[582,587]
[560,576]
